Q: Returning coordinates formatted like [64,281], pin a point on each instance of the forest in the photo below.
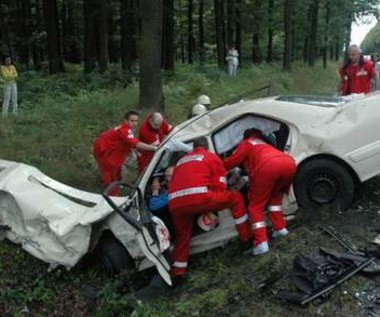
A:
[145,37]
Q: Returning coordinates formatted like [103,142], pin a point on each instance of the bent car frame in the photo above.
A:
[335,141]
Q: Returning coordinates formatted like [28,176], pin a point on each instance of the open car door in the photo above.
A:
[152,234]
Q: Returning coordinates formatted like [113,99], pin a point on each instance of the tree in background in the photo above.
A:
[151,94]
[99,32]
[53,37]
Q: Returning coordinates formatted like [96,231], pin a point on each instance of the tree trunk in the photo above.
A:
[151,94]
[201,33]
[35,18]
[190,35]
[23,31]
[102,13]
[337,48]
[168,35]
[287,65]
[89,36]
[128,30]
[231,18]
[113,46]
[306,47]
[327,32]
[218,8]
[53,36]
[238,29]
[270,31]
[313,32]
[256,54]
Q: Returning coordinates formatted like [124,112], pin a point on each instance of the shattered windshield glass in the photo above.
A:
[322,101]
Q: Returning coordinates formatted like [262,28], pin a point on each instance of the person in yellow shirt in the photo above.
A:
[9,76]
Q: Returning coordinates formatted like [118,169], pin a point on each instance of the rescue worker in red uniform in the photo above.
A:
[199,187]
[112,147]
[271,173]
[152,131]
[357,73]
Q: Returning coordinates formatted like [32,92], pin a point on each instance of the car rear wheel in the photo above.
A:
[324,183]
[112,255]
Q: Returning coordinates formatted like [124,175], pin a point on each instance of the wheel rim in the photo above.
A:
[323,189]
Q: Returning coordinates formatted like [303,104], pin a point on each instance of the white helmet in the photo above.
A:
[204,100]
[198,109]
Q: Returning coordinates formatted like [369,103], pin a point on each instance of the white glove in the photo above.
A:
[174,145]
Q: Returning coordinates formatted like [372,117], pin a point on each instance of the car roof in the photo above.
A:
[300,110]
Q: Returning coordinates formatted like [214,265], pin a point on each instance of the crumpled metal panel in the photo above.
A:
[50,220]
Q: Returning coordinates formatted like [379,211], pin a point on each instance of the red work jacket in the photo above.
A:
[253,153]
[152,137]
[198,169]
[115,144]
[356,79]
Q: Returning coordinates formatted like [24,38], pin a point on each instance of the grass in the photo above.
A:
[58,120]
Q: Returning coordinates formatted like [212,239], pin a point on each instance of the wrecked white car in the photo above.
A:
[335,141]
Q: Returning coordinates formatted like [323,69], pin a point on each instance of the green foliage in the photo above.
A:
[371,43]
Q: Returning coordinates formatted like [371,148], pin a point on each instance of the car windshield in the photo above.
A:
[321,101]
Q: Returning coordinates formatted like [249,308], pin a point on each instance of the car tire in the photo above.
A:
[112,255]
[324,183]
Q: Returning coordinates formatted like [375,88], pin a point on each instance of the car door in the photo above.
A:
[151,233]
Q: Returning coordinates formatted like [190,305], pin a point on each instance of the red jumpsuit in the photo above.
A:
[110,150]
[356,79]
[271,173]
[150,136]
[199,187]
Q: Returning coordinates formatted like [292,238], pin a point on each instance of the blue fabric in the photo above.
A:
[158,202]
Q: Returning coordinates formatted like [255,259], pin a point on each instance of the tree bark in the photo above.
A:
[326,36]
[53,36]
[238,29]
[113,44]
[256,54]
[190,34]
[231,18]
[102,13]
[168,35]
[201,32]
[151,94]
[24,30]
[218,9]
[270,31]
[313,32]
[287,65]
[89,36]
[128,29]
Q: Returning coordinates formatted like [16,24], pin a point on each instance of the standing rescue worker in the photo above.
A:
[199,187]
[357,73]
[152,131]
[202,105]
[271,173]
[113,146]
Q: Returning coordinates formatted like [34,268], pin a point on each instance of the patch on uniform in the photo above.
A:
[362,72]
[190,158]
[256,142]
[130,134]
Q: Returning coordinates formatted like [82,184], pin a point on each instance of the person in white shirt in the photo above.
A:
[232,60]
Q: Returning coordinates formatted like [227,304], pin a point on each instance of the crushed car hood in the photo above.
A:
[50,220]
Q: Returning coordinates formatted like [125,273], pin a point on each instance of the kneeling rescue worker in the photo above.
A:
[199,187]
[271,173]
